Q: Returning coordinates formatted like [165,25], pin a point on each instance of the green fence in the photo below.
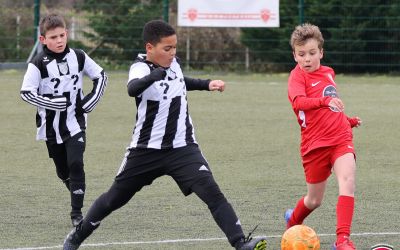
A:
[360,36]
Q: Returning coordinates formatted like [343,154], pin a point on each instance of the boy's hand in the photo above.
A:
[337,104]
[355,122]
[217,85]
[158,74]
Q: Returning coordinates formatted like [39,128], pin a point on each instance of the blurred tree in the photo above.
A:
[117,26]
[269,47]
[16,29]
[356,33]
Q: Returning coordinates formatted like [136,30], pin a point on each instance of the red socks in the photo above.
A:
[344,217]
[300,212]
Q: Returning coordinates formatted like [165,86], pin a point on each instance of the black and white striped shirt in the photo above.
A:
[163,119]
[53,83]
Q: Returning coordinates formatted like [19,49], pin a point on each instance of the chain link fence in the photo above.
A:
[355,42]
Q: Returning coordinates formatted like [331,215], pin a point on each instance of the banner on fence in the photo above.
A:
[228,13]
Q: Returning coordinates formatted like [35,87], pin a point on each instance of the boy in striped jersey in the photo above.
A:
[53,83]
[163,142]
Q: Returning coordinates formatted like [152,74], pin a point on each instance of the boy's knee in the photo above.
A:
[115,198]
[63,175]
[208,190]
[76,170]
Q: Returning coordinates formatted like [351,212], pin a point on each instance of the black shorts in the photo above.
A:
[140,167]
[68,157]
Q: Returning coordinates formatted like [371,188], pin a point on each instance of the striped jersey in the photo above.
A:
[53,83]
[162,119]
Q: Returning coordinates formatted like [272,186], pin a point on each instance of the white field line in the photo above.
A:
[366,234]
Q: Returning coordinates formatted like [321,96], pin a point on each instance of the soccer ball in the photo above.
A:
[300,237]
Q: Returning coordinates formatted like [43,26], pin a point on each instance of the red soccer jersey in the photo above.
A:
[321,125]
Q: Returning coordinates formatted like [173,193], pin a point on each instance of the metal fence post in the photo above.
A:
[166,10]
[301,11]
[188,51]
[247,59]
[36,19]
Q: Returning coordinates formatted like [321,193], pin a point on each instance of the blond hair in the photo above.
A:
[302,33]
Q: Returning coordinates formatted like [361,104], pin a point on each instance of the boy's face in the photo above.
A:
[308,56]
[55,39]
[163,52]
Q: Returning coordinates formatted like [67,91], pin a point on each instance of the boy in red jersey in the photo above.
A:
[326,134]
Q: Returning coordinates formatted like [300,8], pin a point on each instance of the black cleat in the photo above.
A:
[72,241]
[252,244]
[249,243]
[75,238]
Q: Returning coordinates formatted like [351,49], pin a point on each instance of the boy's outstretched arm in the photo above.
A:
[199,84]
[217,85]
[138,85]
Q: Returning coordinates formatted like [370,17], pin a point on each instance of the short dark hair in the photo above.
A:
[154,30]
[50,22]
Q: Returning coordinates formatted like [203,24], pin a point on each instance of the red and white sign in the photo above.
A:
[228,13]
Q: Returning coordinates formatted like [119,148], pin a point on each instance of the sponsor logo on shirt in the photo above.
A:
[330,90]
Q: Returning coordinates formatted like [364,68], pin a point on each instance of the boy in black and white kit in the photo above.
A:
[163,142]
[53,83]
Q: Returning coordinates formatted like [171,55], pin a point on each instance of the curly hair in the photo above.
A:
[304,32]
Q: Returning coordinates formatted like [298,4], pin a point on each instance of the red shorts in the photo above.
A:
[318,162]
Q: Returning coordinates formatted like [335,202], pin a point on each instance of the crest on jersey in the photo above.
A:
[171,75]
[381,247]
[63,68]
[330,90]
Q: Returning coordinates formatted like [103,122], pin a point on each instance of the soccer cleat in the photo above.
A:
[76,218]
[345,245]
[248,243]
[72,241]
[288,214]
[252,244]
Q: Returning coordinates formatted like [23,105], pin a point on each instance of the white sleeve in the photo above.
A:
[99,78]
[91,68]
[138,70]
[29,91]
